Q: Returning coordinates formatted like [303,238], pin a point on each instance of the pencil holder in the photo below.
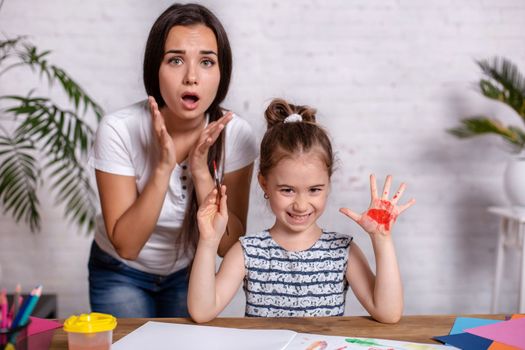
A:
[14,339]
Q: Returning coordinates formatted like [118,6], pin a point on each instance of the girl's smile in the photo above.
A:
[297,189]
[299,219]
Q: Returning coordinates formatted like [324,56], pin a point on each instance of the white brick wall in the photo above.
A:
[387,77]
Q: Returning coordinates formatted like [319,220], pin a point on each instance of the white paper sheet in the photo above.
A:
[160,336]
[169,336]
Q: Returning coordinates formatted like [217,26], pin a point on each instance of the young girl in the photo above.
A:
[296,268]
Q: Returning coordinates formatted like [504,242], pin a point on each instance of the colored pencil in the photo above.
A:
[17,299]
[4,308]
[27,308]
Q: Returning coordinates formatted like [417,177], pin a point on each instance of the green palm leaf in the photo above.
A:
[48,134]
[61,131]
[25,54]
[19,175]
[478,126]
[64,138]
[72,188]
[38,61]
[503,83]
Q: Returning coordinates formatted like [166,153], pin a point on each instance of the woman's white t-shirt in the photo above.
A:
[125,145]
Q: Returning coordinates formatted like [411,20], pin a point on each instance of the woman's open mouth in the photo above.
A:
[190,100]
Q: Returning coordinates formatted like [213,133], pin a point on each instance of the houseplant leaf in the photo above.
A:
[505,84]
[19,176]
[48,143]
[482,125]
[502,82]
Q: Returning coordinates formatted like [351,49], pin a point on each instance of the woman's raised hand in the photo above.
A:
[198,156]
[168,156]
[212,216]
[382,212]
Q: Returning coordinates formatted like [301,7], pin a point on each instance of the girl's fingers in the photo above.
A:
[352,215]
[386,188]
[212,196]
[373,186]
[206,208]
[404,207]
[399,193]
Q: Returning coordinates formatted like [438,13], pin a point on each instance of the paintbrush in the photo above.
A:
[218,187]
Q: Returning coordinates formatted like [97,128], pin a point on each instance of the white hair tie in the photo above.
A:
[293,118]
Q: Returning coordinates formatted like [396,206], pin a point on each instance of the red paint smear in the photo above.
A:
[380,216]
[384,215]
[386,205]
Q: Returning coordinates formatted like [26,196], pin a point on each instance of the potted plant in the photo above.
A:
[502,81]
[41,141]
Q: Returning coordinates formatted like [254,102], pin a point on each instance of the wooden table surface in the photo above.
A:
[411,328]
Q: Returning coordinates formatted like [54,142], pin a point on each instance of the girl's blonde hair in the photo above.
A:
[287,139]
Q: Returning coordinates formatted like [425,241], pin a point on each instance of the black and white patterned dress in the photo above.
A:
[281,283]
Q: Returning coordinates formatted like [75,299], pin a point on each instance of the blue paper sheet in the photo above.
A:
[465,341]
[463,323]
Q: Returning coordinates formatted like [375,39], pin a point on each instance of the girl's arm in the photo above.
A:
[381,295]
[238,182]
[208,293]
[130,218]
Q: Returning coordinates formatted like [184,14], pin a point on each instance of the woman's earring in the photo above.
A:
[266,196]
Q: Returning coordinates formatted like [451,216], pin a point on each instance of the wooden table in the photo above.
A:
[411,328]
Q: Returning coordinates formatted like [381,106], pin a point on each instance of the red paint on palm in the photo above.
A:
[384,215]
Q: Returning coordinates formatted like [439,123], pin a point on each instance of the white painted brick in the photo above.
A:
[387,77]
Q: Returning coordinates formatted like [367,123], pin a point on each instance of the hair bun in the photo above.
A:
[279,111]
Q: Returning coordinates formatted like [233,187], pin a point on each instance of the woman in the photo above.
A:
[153,163]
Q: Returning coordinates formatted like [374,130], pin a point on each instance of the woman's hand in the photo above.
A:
[168,156]
[382,212]
[198,156]
[212,216]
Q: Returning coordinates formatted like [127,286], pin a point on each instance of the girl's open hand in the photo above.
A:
[382,212]
[212,216]
[168,156]
[198,156]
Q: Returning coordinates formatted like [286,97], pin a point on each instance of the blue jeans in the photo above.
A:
[122,291]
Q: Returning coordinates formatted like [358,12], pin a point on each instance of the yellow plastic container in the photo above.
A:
[92,331]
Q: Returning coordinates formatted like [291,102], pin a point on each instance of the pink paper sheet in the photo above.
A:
[508,332]
[39,325]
